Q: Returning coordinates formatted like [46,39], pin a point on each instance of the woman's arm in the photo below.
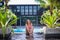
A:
[27,28]
[31,31]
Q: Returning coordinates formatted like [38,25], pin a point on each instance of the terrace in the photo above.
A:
[40,12]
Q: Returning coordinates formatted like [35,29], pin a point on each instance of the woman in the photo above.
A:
[29,28]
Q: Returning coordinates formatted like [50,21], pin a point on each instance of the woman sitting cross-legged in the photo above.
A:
[29,28]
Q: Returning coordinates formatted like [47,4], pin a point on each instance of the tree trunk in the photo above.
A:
[51,8]
[6,5]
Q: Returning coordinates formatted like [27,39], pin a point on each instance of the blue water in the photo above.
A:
[18,30]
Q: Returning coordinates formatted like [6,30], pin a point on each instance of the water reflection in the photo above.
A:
[30,38]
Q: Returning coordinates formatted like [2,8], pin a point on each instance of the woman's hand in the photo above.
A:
[31,31]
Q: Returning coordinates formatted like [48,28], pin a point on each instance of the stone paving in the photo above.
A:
[23,37]
[36,37]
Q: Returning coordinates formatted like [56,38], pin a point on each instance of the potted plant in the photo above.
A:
[7,18]
[52,26]
[50,18]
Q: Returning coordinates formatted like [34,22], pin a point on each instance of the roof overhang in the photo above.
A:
[23,2]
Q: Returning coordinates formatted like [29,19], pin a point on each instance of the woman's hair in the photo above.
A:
[27,21]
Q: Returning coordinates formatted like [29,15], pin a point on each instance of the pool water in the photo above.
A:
[19,30]
[23,30]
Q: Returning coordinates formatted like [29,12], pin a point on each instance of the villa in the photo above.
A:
[42,24]
[26,9]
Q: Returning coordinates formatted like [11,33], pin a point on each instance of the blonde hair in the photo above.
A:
[27,21]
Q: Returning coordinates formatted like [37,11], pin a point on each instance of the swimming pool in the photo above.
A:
[18,30]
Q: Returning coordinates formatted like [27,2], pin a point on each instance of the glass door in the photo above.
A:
[32,18]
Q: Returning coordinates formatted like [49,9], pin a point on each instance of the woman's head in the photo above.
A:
[28,21]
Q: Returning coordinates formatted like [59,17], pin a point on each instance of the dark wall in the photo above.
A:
[37,8]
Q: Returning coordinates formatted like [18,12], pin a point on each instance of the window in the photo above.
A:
[22,13]
[30,10]
[34,10]
[30,13]
[14,10]
[26,13]
[22,10]
[18,7]
[35,13]
[30,7]
[18,10]
[34,7]
[26,7]
[22,7]
[26,10]
[38,7]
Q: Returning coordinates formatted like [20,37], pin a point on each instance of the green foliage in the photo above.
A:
[0,0]
[7,18]
[45,3]
[50,17]
[50,20]
[58,4]
[53,3]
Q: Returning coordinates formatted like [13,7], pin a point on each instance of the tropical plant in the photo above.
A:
[50,3]
[50,20]
[7,18]
[0,0]
[51,16]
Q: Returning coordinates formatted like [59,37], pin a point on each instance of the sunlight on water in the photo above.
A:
[23,30]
